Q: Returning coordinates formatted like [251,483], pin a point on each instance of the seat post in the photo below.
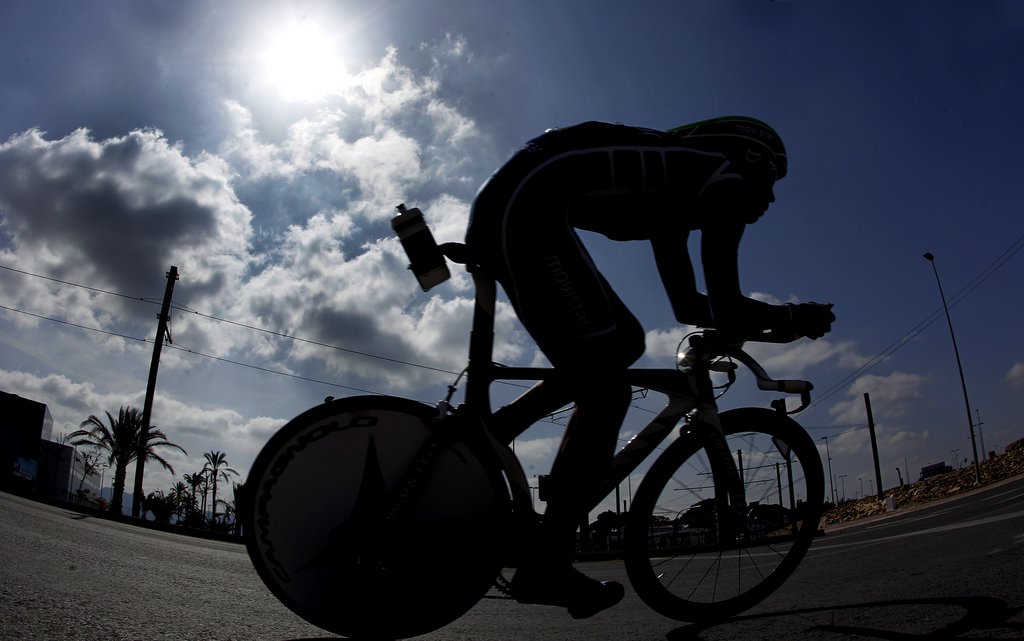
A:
[481,339]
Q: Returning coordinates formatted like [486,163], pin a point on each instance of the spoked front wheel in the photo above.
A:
[691,561]
[353,532]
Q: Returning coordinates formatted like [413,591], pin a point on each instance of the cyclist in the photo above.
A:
[627,183]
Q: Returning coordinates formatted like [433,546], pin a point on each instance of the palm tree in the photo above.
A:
[217,466]
[231,509]
[182,499]
[119,438]
[194,481]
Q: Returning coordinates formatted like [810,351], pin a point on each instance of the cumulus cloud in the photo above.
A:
[795,359]
[536,454]
[114,213]
[891,396]
[662,344]
[386,135]
[71,402]
[1015,377]
[283,226]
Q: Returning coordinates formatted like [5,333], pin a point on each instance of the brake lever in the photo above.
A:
[779,404]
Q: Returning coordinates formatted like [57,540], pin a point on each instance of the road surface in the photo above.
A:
[951,570]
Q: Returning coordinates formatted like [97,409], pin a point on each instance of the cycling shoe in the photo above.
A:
[582,596]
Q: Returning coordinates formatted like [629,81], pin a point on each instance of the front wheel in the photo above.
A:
[354,532]
[690,561]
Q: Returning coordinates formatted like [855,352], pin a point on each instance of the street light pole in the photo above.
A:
[967,404]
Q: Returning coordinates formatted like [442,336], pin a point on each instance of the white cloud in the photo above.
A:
[244,148]
[779,360]
[284,228]
[662,345]
[891,397]
[536,454]
[115,212]
[1015,376]
[793,360]
[386,134]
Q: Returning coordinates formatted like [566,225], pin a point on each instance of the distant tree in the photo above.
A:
[119,438]
[217,466]
[90,463]
[231,509]
[182,500]
[607,521]
[194,481]
[162,506]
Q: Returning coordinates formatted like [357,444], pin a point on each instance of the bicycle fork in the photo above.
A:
[730,493]
[728,482]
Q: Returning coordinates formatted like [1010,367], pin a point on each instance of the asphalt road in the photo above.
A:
[951,570]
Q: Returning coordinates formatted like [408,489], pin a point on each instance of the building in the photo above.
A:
[934,469]
[24,424]
[62,475]
[30,462]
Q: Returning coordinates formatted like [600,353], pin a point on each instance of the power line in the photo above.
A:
[877,359]
[92,289]
[227,360]
[844,428]
[75,325]
[873,362]
[189,351]
[314,342]
[959,296]
[273,371]
[229,322]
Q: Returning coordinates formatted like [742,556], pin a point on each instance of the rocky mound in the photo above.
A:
[1011,463]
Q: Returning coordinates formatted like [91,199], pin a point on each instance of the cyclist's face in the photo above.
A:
[757,204]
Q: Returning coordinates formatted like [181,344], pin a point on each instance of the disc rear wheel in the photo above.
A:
[324,534]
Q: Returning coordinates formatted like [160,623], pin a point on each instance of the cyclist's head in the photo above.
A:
[749,143]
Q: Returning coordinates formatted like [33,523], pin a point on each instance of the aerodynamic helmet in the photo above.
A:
[746,141]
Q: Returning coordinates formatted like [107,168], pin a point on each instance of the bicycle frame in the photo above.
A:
[450,478]
[686,392]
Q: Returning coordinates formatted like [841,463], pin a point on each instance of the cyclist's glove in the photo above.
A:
[812,320]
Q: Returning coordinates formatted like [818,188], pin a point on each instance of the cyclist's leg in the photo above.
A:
[589,334]
[583,460]
[547,575]
[519,228]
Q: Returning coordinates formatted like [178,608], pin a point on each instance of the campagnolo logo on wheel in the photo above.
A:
[278,468]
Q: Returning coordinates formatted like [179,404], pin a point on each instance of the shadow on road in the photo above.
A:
[897,620]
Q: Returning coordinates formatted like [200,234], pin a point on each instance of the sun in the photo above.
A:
[302,62]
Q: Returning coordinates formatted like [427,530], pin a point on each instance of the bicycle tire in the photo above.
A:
[680,566]
[321,530]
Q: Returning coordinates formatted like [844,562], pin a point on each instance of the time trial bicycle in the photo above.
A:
[383,517]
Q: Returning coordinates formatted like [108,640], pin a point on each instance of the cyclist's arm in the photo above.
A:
[673,260]
[730,309]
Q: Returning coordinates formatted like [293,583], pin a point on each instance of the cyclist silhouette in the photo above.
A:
[626,183]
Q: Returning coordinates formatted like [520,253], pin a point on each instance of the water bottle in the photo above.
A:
[426,260]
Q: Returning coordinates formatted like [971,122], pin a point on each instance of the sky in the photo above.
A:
[261,147]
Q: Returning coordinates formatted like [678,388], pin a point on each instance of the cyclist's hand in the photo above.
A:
[812,320]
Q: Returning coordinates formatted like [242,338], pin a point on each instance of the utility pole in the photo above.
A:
[831,479]
[147,409]
[874,445]
[981,435]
